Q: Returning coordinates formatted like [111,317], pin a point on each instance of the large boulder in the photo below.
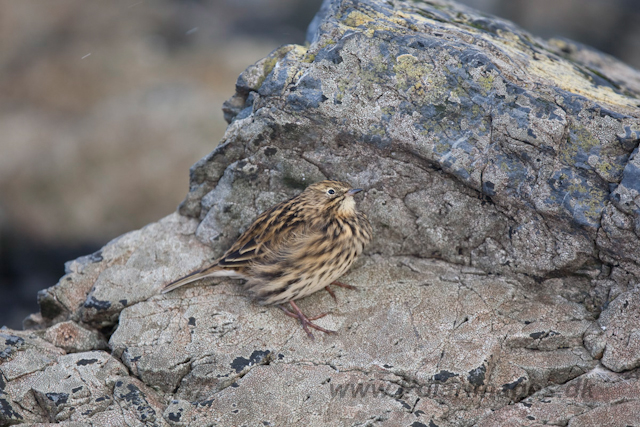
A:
[501,180]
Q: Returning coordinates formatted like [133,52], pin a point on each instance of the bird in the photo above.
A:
[294,249]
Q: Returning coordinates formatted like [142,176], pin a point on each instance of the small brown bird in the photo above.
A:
[296,248]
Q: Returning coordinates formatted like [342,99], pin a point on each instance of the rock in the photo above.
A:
[248,403]
[73,338]
[599,398]
[500,182]
[594,341]
[24,352]
[621,335]
[481,340]
[90,387]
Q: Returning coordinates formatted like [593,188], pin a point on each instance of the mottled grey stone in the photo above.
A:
[599,398]
[202,340]
[621,333]
[84,387]
[73,338]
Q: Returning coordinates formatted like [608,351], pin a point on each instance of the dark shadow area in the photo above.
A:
[27,266]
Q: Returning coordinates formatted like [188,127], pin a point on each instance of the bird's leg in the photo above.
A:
[333,295]
[290,314]
[342,285]
[304,320]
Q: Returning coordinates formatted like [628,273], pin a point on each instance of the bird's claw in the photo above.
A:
[306,321]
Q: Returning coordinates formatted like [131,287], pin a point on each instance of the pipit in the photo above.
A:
[295,248]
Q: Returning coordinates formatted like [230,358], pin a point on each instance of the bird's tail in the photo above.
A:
[212,271]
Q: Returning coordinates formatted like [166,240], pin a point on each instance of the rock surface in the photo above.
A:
[501,288]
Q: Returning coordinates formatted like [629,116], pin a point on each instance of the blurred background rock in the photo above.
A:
[104,106]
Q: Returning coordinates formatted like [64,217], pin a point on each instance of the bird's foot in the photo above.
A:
[304,320]
[342,285]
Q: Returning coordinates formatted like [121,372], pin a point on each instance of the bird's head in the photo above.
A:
[333,196]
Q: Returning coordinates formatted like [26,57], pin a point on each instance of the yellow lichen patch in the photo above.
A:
[589,199]
[561,73]
[309,58]
[412,74]
[296,55]
[558,72]
[577,189]
[267,67]
[507,35]
[297,50]
[356,18]
[565,76]
[607,170]
[404,19]
[378,130]
[371,22]
[269,63]
[486,82]
[505,167]
[388,110]
[342,85]
[583,140]
[441,146]
[327,42]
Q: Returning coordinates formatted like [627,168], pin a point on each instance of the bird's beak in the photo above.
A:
[353,191]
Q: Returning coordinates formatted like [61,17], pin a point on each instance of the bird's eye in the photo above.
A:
[331,191]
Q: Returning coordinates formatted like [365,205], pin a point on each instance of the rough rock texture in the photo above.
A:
[502,183]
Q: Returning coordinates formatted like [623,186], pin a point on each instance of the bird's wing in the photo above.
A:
[272,229]
[271,279]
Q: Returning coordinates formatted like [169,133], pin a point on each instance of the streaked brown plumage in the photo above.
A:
[296,248]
